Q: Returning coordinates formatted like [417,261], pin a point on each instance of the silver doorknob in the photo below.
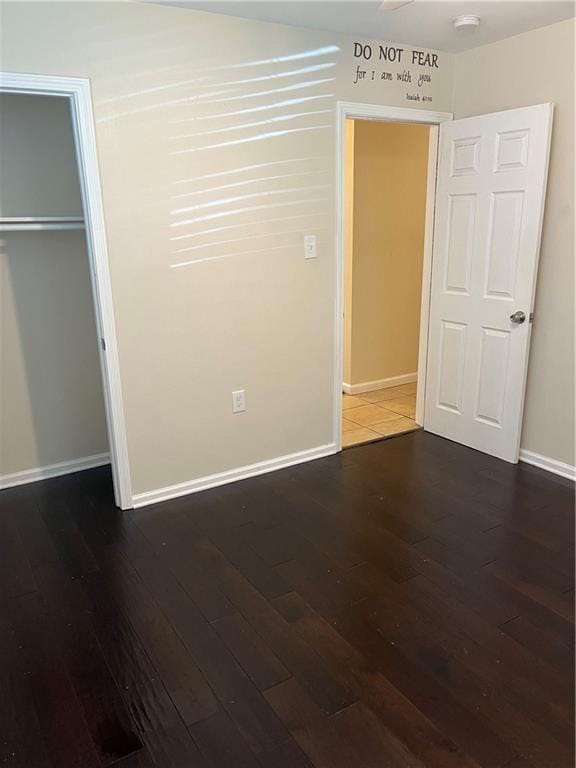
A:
[518,317]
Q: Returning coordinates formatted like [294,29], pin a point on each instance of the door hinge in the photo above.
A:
[103,344]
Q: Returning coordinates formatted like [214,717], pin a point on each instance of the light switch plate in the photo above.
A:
[310,247]
[238,401]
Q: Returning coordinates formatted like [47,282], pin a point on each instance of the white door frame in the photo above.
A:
[77,90]
[358,111]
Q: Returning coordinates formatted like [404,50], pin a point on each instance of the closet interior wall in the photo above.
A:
[51,398]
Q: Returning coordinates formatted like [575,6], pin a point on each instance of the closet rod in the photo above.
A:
[31,223]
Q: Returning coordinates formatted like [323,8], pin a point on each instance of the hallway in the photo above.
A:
[382,413]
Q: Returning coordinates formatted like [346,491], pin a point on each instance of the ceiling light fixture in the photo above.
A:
[467,21]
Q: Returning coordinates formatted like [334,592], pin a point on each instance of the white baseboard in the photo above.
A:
[53,470]
[369,386]
[550,465]
[231,476]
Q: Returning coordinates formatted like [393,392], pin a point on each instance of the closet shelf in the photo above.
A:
[31,223]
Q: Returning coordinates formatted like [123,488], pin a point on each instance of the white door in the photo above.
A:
[491,187]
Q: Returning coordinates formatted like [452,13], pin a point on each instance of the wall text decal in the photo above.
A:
[413,68]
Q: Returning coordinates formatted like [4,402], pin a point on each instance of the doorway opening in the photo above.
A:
[386,167]
[387,186]
[61,401]
[486,195]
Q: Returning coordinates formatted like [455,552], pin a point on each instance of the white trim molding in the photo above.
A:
[427,270]
[53,470]
[77,91]
[359,111]
[369,386]
[232,475]
[550,465]
[356,110]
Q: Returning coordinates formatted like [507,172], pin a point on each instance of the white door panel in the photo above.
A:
[492,172]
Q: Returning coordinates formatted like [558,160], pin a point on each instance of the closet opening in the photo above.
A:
[56,397]
[386,183]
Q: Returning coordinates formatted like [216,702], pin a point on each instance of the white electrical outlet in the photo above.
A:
[310,247]
[238,401]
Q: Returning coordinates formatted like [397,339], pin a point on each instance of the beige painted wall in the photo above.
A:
[534,68]
[51,404]
[390,173]
[216,149]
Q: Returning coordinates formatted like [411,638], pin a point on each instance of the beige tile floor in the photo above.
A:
[374,415]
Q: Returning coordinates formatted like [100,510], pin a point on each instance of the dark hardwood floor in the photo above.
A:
[405,603]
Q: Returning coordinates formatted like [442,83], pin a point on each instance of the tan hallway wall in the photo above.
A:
[51,403]
[390,174]
[534,68]
[348,247]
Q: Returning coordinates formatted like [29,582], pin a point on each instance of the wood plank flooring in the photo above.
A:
[405,603]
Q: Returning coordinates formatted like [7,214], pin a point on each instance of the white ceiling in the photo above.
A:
[425,23]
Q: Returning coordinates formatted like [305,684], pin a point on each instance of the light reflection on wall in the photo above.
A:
[248,153]
[261,208]
[245,183]
[238,226]
[252,139]
[243,126]
[274,91]
[268,107]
